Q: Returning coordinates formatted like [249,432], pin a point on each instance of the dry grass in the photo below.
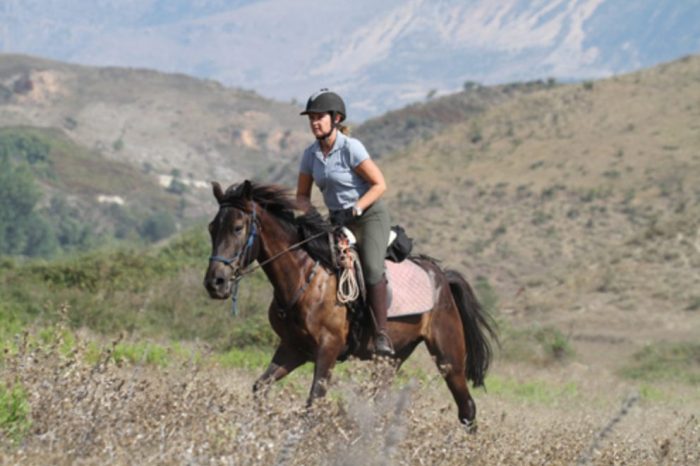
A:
[191,412]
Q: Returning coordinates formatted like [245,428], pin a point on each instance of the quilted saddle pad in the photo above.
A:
[412,289]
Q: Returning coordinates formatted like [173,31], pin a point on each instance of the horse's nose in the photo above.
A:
[217,284]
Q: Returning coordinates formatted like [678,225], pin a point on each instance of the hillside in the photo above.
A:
[398,129]
[79,198]
[158,123]
[130,153]
[579,205]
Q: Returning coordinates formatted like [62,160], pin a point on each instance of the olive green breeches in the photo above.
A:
[372,232]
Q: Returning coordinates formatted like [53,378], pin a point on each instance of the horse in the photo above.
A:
[259,222]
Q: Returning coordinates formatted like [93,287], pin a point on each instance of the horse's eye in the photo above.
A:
[237,229]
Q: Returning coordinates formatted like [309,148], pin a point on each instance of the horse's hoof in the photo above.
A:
[469,426]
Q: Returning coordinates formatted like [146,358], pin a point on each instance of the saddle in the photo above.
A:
[411,288]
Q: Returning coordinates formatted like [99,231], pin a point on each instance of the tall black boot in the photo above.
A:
[377,295]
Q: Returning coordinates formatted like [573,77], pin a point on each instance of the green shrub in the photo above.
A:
[158,226]
[554,343]
[22,231]
[694,304]
[141,353]
[486,294]
[678,361]
[14,411]
[534,344]
[254,331]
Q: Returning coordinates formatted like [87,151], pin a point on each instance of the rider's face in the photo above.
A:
[320,123]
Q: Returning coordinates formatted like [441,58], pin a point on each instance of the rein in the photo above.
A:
[250,270]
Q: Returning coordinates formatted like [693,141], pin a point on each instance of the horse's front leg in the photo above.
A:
[328,351]
[284,361]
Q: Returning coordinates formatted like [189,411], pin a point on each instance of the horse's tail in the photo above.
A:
[477,324]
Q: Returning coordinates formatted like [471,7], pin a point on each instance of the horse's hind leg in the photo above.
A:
[284,361]
[446,344]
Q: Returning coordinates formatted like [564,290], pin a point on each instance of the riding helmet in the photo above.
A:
[325,101]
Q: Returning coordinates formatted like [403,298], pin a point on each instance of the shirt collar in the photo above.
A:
[340,140]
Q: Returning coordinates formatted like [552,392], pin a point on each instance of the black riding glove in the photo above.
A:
[341,218]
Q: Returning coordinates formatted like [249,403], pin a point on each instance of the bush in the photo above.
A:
[14,412]
[554,343]
[177,187]
[158,226]
[486,294]
[22,231]
[23,147]
[679,361]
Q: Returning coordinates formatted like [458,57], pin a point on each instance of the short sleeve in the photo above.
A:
[358,153]
[307,161]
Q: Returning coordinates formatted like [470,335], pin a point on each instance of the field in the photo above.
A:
[154,394]
[130,404]
[574,211]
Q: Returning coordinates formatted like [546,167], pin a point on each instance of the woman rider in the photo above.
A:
[352,186]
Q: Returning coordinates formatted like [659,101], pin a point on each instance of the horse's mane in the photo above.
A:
[282,204]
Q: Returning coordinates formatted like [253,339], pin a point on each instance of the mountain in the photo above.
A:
[381,55]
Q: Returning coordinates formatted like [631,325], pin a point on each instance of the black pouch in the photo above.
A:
[400,248]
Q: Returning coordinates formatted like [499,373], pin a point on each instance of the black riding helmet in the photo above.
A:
[325,101]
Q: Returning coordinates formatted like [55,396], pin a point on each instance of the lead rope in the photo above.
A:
[348,289]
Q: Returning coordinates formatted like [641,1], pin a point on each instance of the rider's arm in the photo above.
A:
[371,173]
[304,184]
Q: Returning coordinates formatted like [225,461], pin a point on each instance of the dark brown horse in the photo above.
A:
[258,222]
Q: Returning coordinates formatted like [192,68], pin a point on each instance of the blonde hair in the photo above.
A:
[343,129]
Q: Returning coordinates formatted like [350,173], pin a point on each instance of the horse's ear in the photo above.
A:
[218,192]
[247,190]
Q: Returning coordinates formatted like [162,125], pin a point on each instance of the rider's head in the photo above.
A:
[325,102]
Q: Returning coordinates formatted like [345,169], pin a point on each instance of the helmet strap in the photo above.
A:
[324,137]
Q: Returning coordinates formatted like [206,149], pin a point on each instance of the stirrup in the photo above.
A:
[385,348]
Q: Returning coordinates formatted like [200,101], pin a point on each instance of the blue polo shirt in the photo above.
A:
[335,174]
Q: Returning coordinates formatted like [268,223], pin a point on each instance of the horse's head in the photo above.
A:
[234,234]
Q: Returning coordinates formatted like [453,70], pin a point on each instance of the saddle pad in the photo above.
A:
[412,290]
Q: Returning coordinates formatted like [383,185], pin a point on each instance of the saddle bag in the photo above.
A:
[401,245]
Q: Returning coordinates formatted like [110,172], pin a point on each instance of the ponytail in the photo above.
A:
[343,129]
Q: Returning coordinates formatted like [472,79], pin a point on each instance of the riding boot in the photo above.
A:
[377,295]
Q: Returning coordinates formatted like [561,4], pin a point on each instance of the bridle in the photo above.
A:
[245,253]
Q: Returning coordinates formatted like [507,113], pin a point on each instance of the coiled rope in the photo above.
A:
[348,288]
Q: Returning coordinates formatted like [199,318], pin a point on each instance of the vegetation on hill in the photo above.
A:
[50,197]
[397,130]
[145,293]
[151,120]
[580,204]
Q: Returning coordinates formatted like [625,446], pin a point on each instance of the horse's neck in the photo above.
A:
[287,270]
